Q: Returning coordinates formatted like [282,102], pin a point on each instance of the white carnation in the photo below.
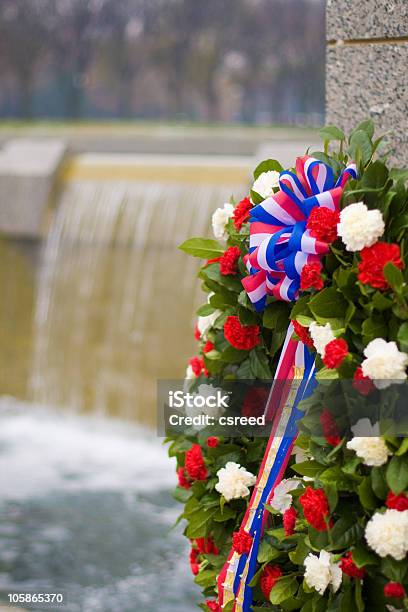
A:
[370,447]
[204,324]
[320,572]
[372,450]
[220,219]
[213,411]
[234,480]
[384,362]
[387,534]
[321,336]
[266,183]
[281,499]
[360,227]
[189,373]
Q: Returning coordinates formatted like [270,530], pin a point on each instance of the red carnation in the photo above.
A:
[197,334]
[322,223]
[213,605]
[335,353]
[229,261]
[315,508]
[208,346]
[310,277]
[397,502]
[242,337]
[269,577]
[241,542]
[254,402]
[394,589]
[195,566]
[289,521]
[362,384]
[373,260]
[194,463]
[241,212]
[303,334]
[198,367]
[212,441]
[182,479]
[207,546]
[349,568]
[329,427]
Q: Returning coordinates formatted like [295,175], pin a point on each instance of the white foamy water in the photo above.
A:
[68,452]
[86,510]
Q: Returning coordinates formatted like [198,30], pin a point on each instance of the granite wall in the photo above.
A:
[367,67]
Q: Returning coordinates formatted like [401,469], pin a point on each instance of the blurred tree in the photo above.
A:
[23,44]
[247,60]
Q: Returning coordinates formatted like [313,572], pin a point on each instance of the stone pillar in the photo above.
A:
[367,68]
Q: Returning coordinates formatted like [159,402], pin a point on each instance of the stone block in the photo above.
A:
[28,169]
[370,80]
[366,19]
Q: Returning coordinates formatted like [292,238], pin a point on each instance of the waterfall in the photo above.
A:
[116,299]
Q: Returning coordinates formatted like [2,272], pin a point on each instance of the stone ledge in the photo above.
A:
[366,19]
[370,81]
[27,172]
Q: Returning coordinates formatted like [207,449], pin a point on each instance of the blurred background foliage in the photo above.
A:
[250,61]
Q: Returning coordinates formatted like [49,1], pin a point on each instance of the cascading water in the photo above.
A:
[85,504]
[116,299]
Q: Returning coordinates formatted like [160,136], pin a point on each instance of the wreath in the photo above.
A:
[319,250]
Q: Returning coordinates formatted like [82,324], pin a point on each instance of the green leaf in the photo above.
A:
[403,336]
[328,304]
[308,468]
[233,355]
[397,474]
[374,327]
[244,371]
[266,166]
[399,174]
[362,557]
[205,248]
[360,148]
[205,310]
[198,521]
[375,175]
[266,552]
[327,374]
[255,197]
[378,482]
[284,588]
[393,275]
[366,495]
[380,302]
[331,132]
[206,578]
[300,553]
[366,126]
[276,316]
[259,364]
[394,570]
[403,447]
[345,532]
[358,598]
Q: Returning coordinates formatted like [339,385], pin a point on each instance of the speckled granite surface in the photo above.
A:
[370,81]
[366,19]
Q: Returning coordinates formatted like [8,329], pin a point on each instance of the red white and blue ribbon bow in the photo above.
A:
[280,244]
